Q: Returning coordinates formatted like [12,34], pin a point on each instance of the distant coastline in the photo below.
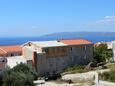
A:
[91,36]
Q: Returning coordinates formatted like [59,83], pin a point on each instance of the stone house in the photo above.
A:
[54,56]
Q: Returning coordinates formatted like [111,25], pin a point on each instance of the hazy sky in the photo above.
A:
[39,17]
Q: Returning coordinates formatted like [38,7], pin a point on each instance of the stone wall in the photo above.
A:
[27,53]
[79,54]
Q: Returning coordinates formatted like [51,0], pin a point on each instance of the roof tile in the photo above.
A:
[76,42]
[8,49]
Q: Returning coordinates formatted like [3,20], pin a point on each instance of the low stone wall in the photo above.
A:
[81,77]
[105,83]
[88,76]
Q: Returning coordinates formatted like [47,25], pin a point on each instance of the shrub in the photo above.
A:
[75,69]
[20,75]
[23,68]
[17,79]
[102,53]
[109,76]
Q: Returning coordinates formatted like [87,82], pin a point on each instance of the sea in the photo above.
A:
[21,40]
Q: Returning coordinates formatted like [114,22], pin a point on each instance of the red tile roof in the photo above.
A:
[9,49]
[75,42]
[2,52]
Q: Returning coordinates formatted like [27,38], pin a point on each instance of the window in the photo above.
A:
[29,44]
[12,54]
[3,61]
[71,49]
[20,53]
[85,47]
[72,58]
[47,50]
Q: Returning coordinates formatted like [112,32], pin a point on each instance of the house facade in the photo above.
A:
[54,56]
[9,51]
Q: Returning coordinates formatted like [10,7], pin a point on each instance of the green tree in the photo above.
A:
[101,53]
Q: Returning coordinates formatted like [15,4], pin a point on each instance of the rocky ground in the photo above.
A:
[64,84]
[102,83]
[80,79]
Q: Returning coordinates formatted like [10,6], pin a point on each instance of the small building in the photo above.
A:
[15,60]
[3,62]
[8,51]
[111,45]
[54,56]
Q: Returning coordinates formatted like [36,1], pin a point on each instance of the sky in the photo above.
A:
[20,18]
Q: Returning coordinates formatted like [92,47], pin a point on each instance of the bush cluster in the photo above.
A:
[75,69]
[102,53]
[20,75]
[108,76]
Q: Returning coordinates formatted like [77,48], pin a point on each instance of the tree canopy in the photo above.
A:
[102,53]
